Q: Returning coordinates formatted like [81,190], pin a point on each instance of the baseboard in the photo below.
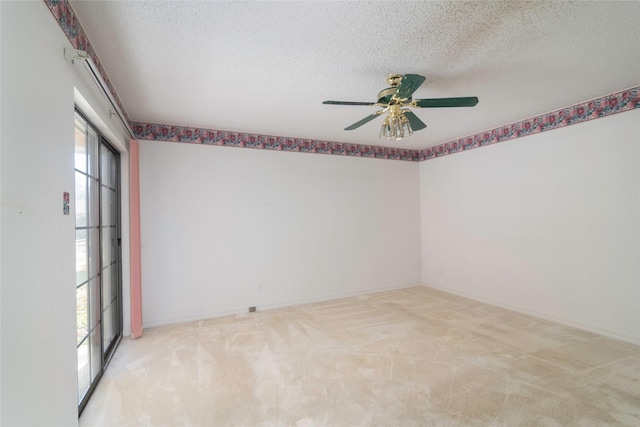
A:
[272,306]
[566,322]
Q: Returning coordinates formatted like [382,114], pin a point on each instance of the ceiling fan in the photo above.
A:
[401,121]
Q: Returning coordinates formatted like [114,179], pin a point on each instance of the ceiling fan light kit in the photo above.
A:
[401,122]
[395,125]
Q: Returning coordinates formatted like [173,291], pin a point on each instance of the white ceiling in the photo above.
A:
[266,67]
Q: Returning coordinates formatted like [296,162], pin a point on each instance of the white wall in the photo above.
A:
[38,320]
[548,224]
[227,228]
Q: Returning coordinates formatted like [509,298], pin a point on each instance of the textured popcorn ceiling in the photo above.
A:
[264,67]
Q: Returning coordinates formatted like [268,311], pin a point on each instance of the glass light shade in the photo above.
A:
[395,127]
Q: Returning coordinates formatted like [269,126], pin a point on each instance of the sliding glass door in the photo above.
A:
[109,235]
[98,290]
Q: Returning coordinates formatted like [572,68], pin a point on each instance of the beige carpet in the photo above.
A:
[401,358]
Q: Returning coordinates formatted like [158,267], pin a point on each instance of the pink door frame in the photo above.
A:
[136,269]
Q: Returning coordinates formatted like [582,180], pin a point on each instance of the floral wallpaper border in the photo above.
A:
[601,107]
[159,132]
[66,17]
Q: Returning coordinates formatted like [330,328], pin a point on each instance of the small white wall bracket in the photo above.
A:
[74,55]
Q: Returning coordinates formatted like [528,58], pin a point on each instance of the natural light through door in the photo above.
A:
[98,291]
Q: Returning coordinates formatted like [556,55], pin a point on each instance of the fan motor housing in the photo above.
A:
[386,96]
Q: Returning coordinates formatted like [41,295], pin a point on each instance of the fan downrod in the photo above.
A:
[387,96]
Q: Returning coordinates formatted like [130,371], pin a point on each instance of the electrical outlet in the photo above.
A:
[252,309]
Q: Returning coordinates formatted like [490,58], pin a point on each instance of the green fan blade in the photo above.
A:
[414,121]
[408,85]
[365,120]
[348,103]
[468,101]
